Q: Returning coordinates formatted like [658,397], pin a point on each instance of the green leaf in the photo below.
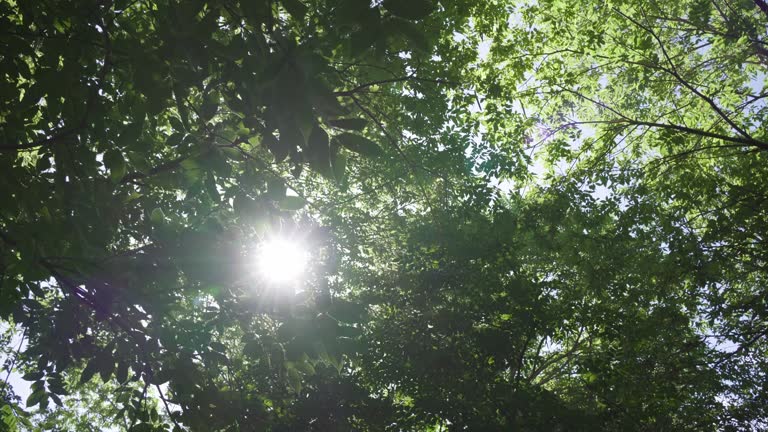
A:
[350,346]
[157,216]
[356,12]
[90,370]
[291,136]
[132,197]
[130,135]
[276,189]
[413,34]
[244,206]
[324,99]
[115,162]
[361,40]
[32,376]
[326,326]
[211,188]
[37,397]
[106,367]
[296,8]
[233,153]
[37,385]
[359,144]
[356,124]
[280,149]
[161,377]
[346,311]
[141,427]
[339,166]
[256,11]
[292,203]
[410,9]
[122,372]
[319,152]
[294,379]
[177,125]
[44,163]
[253,349]
[57,387]
[305,367]
[175,139]
[210,106]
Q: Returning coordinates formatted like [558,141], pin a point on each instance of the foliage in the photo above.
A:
[567,233]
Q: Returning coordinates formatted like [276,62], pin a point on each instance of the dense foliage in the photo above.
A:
[519,215]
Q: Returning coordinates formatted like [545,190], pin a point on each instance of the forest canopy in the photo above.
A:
[397,215]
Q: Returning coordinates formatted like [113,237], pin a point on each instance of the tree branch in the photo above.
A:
[66,132]
[167,408]
[763,6]
[389,81]
[672,70]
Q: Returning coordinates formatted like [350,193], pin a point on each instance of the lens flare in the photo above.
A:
[281,261]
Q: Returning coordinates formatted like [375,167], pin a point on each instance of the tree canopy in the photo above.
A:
[533,215]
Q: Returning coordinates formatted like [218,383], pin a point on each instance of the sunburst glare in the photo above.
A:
[281,260]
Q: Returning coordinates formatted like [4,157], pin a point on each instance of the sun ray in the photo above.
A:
[281,260]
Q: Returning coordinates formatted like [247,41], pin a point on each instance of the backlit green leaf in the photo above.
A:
[410,9]
[359,144]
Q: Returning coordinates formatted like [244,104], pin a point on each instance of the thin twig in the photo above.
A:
[167,408]
[15,357]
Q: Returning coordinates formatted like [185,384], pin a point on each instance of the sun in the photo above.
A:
[281,260]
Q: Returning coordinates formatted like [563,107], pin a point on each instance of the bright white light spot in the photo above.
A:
[281,260]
